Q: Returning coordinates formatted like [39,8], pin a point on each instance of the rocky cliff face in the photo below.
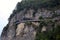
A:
[25,24]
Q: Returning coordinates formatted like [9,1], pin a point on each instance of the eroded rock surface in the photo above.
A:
[26,21]
[23,26]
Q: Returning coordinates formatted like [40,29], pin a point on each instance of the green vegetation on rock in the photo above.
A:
[53,34]
[35,4]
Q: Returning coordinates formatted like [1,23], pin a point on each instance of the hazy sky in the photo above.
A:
[6,7]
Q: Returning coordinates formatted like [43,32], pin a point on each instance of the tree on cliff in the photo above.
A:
[37,4]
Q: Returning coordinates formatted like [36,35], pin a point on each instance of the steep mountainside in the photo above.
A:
[34,20]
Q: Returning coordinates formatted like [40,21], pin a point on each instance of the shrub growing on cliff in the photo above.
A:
[37,4]
[28,23]
[49,35]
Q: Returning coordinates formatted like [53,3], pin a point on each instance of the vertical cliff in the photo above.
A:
[34,20]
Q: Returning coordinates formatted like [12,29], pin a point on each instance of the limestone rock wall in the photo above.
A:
[24,25]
